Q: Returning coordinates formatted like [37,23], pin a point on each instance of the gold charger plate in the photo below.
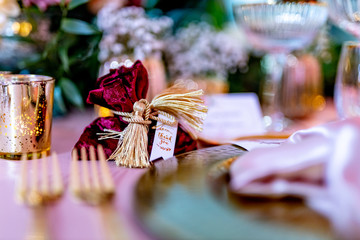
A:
[187,197]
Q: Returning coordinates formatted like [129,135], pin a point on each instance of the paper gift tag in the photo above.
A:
[164,140]
[232,115]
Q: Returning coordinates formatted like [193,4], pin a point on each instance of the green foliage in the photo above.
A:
[78,27]
[185,12]
[217,11]
[75,3]
[59,104]
[70,56]
[71,92]
[329,68]
[248,79]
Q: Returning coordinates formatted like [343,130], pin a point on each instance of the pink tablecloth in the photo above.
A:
[70,220]
[67,219]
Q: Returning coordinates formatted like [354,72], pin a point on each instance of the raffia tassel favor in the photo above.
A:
[177,103]
[126,137]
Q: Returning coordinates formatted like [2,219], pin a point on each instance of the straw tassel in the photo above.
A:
[132,150]
[186,106]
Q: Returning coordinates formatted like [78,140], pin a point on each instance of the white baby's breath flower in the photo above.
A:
[117,48]
[199,51]
[138,34]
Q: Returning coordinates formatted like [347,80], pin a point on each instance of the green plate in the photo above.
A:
[187,197]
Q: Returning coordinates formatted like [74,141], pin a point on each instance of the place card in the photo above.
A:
[231,116]
[164,140]
[258,143]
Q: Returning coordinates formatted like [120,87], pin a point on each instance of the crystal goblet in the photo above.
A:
[347,88]
[346,14]
[279,29]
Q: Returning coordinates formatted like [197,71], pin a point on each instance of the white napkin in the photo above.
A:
[321,164]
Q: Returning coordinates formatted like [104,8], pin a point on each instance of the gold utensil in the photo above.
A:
[38,187]
[99,187]
[93,185]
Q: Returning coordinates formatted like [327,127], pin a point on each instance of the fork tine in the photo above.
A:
[105,172]
[94,171]
[74,173]
[44,187]
[34,173]
[58,186]
[33,197]
[22,186]
[85,170]
[100,188]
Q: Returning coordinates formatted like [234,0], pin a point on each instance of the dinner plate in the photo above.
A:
[187,197]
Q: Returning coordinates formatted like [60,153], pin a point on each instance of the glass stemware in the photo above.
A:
[347,88]
[346,14]
[279,29]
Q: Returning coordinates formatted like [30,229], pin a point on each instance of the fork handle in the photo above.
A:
[38,228]
[113,225]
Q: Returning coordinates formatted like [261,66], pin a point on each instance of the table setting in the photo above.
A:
[149,160]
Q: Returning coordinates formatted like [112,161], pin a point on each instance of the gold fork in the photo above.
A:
[93,185]
[96,189]
[37,188]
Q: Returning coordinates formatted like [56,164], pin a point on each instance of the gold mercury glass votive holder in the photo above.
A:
[26,104]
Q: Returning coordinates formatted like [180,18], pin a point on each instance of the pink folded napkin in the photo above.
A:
[321,164]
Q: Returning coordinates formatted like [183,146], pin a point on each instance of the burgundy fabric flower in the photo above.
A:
[119,90]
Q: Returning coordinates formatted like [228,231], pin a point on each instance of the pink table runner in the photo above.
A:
[67,219]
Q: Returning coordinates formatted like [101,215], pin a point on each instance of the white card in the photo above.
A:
[231,116]
[164,140]
[258,143]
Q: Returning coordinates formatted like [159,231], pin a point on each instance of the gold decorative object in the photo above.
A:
[26,103]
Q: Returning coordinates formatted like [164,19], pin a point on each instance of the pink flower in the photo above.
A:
[42,4]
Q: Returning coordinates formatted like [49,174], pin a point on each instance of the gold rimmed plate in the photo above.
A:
[187,197]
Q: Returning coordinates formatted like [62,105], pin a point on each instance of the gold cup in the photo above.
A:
[26,104]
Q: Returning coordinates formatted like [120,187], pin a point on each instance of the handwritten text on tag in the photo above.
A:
[164,140]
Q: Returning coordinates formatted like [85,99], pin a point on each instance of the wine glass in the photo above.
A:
[346,14]
[347,88]
[279,29]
